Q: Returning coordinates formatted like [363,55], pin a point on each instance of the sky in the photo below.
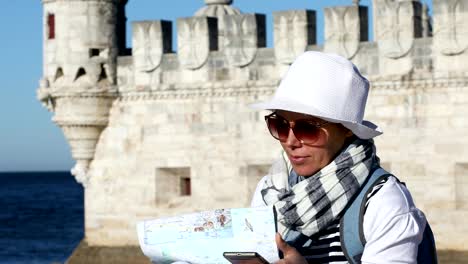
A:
[29,140]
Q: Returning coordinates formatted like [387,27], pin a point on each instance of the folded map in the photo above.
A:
[201,238]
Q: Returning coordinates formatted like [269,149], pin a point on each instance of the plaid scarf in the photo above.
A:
[312,204]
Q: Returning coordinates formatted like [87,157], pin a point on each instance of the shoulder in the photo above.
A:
[392,225]
[392,198]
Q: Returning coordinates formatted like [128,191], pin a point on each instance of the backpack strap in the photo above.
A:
[427,252]
[351,231]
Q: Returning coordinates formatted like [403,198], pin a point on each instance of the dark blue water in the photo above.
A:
[41,217]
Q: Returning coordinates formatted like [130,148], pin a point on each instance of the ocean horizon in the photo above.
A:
[42,216]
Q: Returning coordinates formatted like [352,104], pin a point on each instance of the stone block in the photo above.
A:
[345,28]
[293,32]
[150,40]
[396,25]
[242,36]
[461,185]
[450,34]
[85,254]
[190,75]
[197,36]
[253,174]
[458,122]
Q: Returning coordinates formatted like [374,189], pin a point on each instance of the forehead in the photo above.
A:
[294,116]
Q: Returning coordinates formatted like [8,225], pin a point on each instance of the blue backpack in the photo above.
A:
[351,228]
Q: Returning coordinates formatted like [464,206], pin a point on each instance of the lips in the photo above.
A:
[297,159]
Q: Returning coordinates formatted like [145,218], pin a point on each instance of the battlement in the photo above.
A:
[232,46]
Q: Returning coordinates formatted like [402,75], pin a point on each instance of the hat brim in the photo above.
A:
[364,130]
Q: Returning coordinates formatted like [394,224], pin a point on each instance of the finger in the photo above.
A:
[281,244]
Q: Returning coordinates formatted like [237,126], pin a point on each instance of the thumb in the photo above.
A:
[282,245]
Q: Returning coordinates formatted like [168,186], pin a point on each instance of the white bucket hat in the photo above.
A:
[326,86]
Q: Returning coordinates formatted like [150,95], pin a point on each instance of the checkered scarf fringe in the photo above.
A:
[311,205]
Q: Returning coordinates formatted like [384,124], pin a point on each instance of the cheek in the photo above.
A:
[313,164]
[335,145]
[317,158]
[335,139]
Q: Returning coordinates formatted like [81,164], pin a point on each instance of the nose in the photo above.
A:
[291,140]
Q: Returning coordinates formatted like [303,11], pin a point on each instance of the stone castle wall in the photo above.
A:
[179,135]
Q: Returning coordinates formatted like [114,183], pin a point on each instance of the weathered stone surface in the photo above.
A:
[150,40]
[80,55]
[451,27]
[82,119]
[345,28]
[83,39]
[217,8]
[86,254]
[451,35]
[293,32]
[197,36]
[243,35]
[397,24]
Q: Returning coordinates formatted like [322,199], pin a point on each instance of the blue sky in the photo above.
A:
[29,140]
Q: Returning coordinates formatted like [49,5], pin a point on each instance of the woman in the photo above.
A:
[328,153]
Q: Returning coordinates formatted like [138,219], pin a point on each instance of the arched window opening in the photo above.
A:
[51,26]
[185,186]
[102,75]
[58,74]
[81,72]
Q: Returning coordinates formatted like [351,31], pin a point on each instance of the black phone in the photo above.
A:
[245,258]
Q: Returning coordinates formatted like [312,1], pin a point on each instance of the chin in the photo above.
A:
[305,171]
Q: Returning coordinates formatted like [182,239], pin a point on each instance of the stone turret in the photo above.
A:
[217,8]
[82,39]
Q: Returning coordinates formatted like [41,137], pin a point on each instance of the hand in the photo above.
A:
[291,255]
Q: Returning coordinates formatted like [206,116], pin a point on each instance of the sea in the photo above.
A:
[41,217]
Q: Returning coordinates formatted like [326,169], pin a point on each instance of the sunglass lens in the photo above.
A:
[283,129]
[306,131]
[279,128]
[303,130]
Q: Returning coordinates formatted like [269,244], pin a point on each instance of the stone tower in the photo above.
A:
[82,39]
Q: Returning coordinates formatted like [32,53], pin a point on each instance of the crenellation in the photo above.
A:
[293,31]
[242,36]
[345,28]
[450,35]
[151,39]
[399,23]
[197,36]
[224,51]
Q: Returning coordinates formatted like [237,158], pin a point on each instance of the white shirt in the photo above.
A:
[392,224]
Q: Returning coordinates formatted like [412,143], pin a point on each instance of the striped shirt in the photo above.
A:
[325,246]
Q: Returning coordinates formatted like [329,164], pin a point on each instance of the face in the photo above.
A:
[307,159]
